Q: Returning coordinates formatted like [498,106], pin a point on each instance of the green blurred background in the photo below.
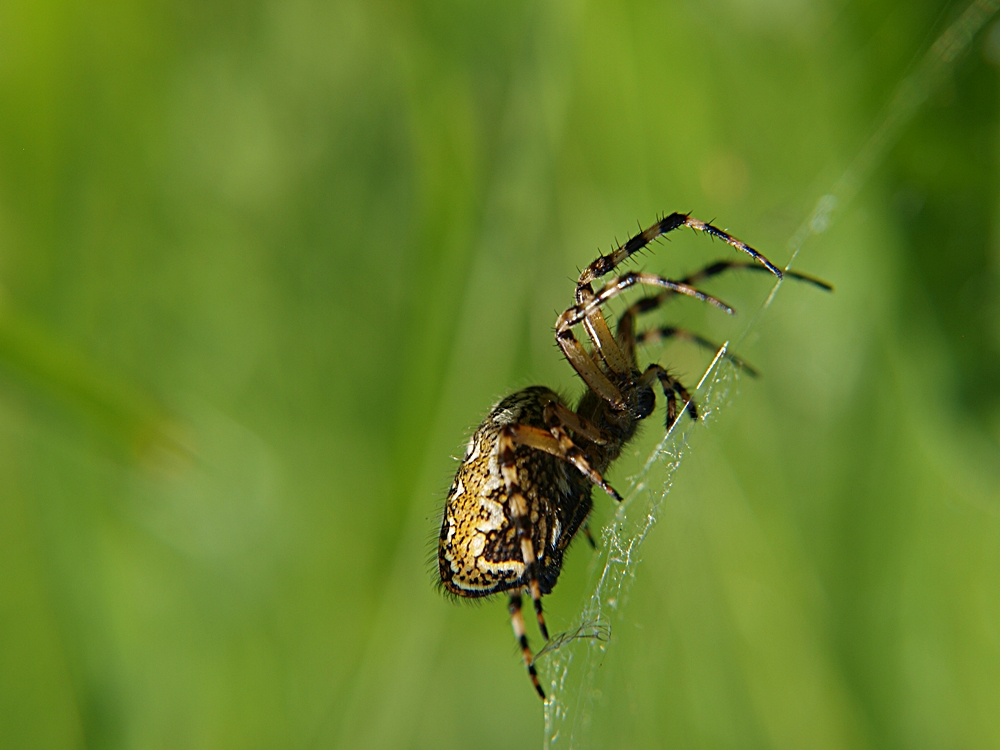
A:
[264,265]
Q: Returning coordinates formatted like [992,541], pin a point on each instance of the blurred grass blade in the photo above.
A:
[122,411]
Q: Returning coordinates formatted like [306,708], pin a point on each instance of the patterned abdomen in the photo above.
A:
[478,550]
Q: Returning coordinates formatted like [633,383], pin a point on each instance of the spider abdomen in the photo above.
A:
[479,552]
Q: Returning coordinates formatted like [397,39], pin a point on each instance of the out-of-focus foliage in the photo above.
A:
[263,266]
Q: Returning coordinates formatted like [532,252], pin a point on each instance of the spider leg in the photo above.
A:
[604,342]
[576,314]
[584,364]
[720,266]
[626,323]
[623,282]
[517,622]
[590,537]
[607,263]
[618,354]
[575,422]
[672,388]
[518,506]
[558,443]
[569,451]
[655,335]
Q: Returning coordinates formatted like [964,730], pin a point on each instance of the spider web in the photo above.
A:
[571,660]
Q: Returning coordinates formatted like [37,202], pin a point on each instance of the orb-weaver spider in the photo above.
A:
[522,490]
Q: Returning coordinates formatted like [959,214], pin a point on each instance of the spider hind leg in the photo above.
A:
[517,622]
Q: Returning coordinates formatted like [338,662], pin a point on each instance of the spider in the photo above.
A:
[523,489]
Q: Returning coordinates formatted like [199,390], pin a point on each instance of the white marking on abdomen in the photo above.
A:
[497,517]
[477,544]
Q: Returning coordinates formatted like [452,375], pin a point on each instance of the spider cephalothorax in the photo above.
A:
[522,491]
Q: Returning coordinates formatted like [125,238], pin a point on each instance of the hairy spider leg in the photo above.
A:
[555,410]
[656,335]
[555,442]
[604,342]
[517,622]
[614,288]
[570,452]
[651,302]
[585,365]
[671,386]
[607,263]
[719,266]
[617,360]
[575,422]
[518,506]
[625,331]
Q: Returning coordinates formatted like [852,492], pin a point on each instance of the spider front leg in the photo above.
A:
[720,266]
[580,312]
[556,413]
[589,311]
[646,304]
[617,360]
[607,263]
[626,335]
[588,370]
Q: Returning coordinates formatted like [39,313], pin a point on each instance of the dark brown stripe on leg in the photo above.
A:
[536,598]
[517,622]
